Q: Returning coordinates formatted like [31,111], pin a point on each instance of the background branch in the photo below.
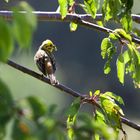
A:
[63,88]
[80,19]
[43,16]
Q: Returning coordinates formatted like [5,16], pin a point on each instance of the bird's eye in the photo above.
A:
[50,45]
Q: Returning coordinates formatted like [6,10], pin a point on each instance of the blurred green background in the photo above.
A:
[79,65]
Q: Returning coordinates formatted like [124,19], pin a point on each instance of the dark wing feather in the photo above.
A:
[41,65]
[52,59]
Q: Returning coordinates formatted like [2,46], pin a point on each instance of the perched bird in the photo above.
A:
[45,60]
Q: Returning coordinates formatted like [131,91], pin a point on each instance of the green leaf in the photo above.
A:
[6,101]
[100,23]
[126,22]
[7,1]
[123,34]
[97,92]
[115,97]
[71,2]
[104,47]
[6,108]
[102,128]
[106,10]
[37,106]
[120,68]
[113,36]
[73,26]
[83,7]
[6,41]
[112,111]
[63,7]
[23,24]
[111,9]
[126,56]
[134,65]
[107,67]
[107,50]
[92,6]
[74,108]
[72,114]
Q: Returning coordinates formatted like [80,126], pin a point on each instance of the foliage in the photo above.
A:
[105,123]
[128,58]
[32,119]
[19,31]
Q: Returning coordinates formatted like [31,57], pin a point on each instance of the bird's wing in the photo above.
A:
[40,58]
[52,59]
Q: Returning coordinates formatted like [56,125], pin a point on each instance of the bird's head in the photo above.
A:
[48,46]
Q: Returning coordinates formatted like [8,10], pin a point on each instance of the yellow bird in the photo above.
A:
[45,60]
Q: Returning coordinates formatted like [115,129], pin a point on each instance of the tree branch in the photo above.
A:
[44,79]
[63,88]
[80,19]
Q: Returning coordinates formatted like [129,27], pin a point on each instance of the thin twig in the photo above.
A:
[62,88]
[77,18]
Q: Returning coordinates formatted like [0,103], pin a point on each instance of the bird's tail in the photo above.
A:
[52,79]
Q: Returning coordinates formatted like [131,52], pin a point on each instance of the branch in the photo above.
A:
[130,123]
[80,19]
[43,16]
[63,88]
[44,79]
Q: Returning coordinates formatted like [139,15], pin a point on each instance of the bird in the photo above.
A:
[45,60]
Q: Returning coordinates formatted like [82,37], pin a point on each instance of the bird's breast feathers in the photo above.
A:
[40,54]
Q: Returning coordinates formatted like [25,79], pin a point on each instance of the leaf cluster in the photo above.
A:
[19,31]
[104,124]
[117,10]
[128,60]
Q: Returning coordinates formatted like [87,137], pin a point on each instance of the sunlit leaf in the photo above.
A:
[104,47]
[92,6]
[97,92]
[126,56]
[115,97]
[100,23]
[73,26]
[120,68]
[71,2]
[111,9]
[90,94]
[112,111]
[134,67]
[122,33]
[126,22]
[106,10]
[113,36]
[107,67]
[63,7]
